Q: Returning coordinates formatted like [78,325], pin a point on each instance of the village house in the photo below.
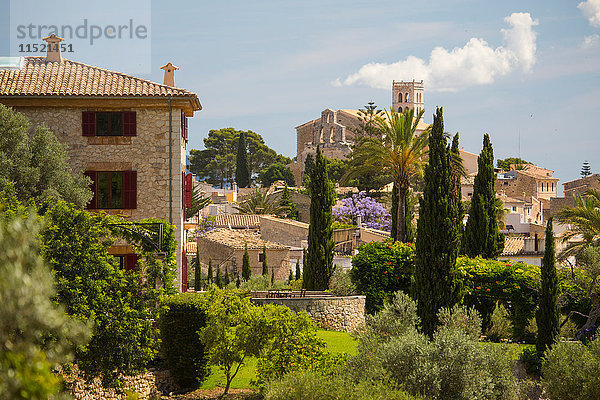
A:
[225,248]
[127,134]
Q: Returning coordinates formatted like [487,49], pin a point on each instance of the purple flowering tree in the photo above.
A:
[373,214]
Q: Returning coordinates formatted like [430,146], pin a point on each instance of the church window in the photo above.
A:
[399,97]
[399,109]
[321,136]
[407,97]
[331,135]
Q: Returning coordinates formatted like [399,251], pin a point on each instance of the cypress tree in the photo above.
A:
[237,282]
[272,276]
[226,278]
[290,207]
[291,277]
[318,267]
[457,172]
[218,280]
[265,268]
[209,278]
[298,273]
[197,272]
[547,315]
[309,164]
[242,167]
[482,236]
[246,270]
[434,286]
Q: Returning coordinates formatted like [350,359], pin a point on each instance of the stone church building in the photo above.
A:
[334,130]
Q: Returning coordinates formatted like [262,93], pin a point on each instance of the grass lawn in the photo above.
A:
[337,342]
[512,350]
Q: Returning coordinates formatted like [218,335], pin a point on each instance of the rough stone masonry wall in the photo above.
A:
[338,313]
[147,153]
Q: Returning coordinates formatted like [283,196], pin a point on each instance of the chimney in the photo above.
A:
[53,47]
[169,74]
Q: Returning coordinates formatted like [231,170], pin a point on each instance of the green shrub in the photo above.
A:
[532,360]
[461,318]
[500,325]
[573,293]
[179,323]
[382,268]
[340,283]
[310,385]
[260,282]
[572,371]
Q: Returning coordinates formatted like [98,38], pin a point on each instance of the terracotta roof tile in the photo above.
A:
[238,221]
[513,245]
[237,238]
[39,77]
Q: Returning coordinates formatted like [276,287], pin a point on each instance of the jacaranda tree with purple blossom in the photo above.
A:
[372,213]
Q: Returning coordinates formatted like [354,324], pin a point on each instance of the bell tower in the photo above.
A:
[406,95]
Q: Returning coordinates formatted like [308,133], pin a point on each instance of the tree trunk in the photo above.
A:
[401,219]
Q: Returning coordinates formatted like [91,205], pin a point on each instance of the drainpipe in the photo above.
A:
[170,161]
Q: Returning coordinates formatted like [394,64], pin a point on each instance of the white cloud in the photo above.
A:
[591,10]
[476,63]
[590,41]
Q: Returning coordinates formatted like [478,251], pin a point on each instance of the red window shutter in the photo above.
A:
[184,126]
[88,123]
[188,190]
[129,123]
[183,191]
[129,190]
[92,205]
[131,262]
[184,272]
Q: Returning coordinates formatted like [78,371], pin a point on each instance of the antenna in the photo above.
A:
[519,146]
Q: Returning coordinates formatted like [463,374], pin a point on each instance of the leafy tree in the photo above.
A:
[242,167]
[29,317]
[259,202]
[319,265]
[246,270]
[36,166]
[265,267]
[209,278]
[217,163]
[289,208]
[218,280]
[586,170]
[482,236]
[276,172]
[434,284]
[547,316]
[507,162]
[399,153]
[372,213]
[584,222]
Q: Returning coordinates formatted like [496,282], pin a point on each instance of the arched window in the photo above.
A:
[407,97]
[331,135]
[400,109]
[328,118]
[321,136]
[399,97]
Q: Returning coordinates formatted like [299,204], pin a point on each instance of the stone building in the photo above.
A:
[225,247]
[582,185]
[127,134]
[531,181]
[334,130]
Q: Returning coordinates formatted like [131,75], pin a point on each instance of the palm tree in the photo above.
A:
[259,203]
[584,221]
[398,153]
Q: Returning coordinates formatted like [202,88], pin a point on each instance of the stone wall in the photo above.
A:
[284,231]
[338,313]
[147,153]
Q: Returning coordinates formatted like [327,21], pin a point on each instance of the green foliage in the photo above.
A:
[507,162]
[198,202]
[242,167]
[586,170]
[259,202]
[500,326]
[276,172]
[482,236]
[180,320]
[290,210]
[217,163]
[246,270]
[311,385]
[463,319]
[265,267]
[584,222]
[341,284]
[573,288]
[210,271]
[547,315]
[298,274]
[434,284]
[458,171]
[319,265]
[35,334]
[410,205]
[291,276]
[218,280]
[197,272]
[36,166]
[382,268]
[572,371]
[309,165]
[91,286]
[226,279]
[532,360]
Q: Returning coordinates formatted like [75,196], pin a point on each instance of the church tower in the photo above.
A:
[406,95]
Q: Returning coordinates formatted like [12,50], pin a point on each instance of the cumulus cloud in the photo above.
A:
[476,63]
[590,41]
[591,10]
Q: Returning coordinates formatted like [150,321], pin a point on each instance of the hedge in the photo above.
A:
[182,317]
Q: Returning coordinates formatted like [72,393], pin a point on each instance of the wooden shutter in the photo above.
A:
[183,191]
[88,123]
[184,126]
[92,205]
[129,123]
[131,262]
[188,190]
[129,190]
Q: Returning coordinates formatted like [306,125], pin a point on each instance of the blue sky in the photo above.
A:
[512,68]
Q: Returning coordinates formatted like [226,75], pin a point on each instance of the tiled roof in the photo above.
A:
[513,245]
[237,238]
[237,221]
[39,77]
